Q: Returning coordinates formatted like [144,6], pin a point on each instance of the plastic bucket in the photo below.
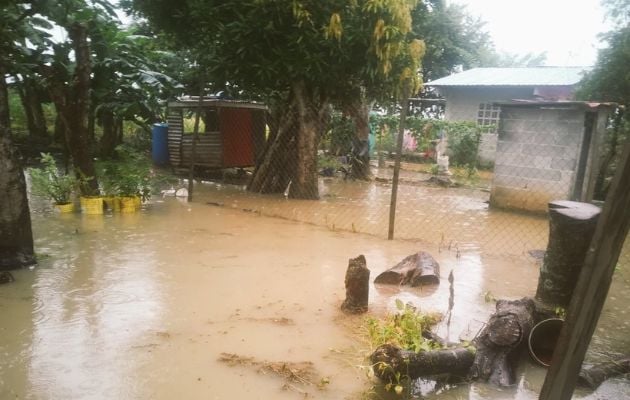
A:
[112,203]
[128,204]
[543,338]
[159,144]
[92,205]
[65,208]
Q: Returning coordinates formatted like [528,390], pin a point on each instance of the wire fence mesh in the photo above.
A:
[477,182]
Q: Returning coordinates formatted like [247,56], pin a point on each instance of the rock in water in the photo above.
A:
[357,286]
[6,277]
[415,270]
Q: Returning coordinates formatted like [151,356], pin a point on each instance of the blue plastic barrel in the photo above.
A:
[159,144]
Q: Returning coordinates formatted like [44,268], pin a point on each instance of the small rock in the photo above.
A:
[6,277]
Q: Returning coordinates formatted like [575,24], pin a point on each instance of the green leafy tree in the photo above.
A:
[305,54]
[609,80]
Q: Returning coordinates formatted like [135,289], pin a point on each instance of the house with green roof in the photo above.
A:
[472,95]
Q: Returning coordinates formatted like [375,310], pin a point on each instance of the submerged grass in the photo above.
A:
[404,329]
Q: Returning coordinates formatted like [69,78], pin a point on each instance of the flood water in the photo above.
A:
[142,306]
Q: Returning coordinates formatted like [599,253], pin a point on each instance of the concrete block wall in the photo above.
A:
[462,104]
[537,155]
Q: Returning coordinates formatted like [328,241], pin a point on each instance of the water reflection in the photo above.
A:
[92,301]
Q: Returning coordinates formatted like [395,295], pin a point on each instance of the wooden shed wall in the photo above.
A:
[175,133]
[239,143]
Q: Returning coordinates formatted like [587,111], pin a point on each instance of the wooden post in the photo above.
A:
[191,172]
[357,286]
[571,228]
[399,144]
[592,287]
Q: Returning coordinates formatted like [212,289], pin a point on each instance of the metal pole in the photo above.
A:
[399,144]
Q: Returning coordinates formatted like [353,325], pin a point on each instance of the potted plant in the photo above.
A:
[48,181]
[108,178]
[132,179]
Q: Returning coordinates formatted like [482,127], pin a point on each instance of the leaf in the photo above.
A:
[400,305]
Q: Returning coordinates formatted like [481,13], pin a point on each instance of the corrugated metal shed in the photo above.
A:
[534,76]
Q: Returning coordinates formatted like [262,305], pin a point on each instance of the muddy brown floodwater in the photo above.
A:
[143,306]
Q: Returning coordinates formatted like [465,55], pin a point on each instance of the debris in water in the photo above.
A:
[302,373]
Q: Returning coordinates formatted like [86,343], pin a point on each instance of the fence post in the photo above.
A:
[592,287]
[399,144]
[191,172]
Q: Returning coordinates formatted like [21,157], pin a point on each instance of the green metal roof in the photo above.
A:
[533,76]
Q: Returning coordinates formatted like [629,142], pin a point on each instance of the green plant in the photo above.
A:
[403,329]
[340,134]
[435,169]
[326,162]
[128,174]
[49,182]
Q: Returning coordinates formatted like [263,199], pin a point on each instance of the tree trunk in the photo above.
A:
[309,113]
[16,237]
[31,102]
[571,227]
[359,111]
[388,361]
[290,159]
[273,175]
[501,340]
[357,286]
[5,117]
[72,103]
[497,349]
[415,270]
[109,140]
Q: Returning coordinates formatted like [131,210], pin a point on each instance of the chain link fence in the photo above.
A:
[479,183]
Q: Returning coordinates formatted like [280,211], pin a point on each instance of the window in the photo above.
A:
[488,114]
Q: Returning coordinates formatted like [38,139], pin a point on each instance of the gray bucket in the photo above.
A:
[543,338]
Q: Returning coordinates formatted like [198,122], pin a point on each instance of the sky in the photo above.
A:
[566,29]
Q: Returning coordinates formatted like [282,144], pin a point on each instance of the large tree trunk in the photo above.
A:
[272,174]
[305,179]
[359,111]
[500,342]
[16,237]
[72,103]
[78,130]
[290,159]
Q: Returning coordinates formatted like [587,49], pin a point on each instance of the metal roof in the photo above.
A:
[556,103]
[532,76]
[193,101]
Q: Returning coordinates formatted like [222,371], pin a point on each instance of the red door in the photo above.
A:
[236,133]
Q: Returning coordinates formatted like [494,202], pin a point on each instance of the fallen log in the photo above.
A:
[594,376]
[415,270]
[492,357]
[390,362]
[501,340]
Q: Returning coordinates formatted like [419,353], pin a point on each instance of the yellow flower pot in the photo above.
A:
[65,208]
[138,201]
[92,205]
[112,203]
[128,204]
